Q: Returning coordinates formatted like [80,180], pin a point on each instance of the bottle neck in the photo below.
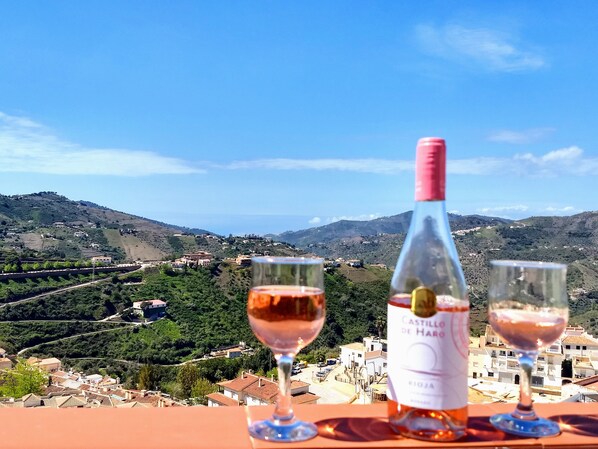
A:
[434,211]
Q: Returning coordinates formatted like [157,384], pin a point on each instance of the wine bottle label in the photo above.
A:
[423,302]
[427,359]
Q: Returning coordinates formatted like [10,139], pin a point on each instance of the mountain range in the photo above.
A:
[48,225]
[396,224]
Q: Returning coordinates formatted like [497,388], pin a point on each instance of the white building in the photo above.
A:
[490,358]
[106,260]
[370,354]
[198,259]
[582,349]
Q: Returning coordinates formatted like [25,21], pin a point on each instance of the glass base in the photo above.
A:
[534,428]
[283,433]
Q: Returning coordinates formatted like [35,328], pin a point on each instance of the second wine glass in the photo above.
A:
[286,310]
[528,309]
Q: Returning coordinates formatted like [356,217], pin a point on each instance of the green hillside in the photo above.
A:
[203,313]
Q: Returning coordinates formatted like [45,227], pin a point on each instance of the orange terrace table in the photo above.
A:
[340,426]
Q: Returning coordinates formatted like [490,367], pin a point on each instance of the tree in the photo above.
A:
[380,325]
[23,379]
[13,259]
[201,389]
[166,268]
[148,377]
[567,368]
[187,376]
[273,373]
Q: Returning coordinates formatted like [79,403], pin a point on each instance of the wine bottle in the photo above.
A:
[428,315]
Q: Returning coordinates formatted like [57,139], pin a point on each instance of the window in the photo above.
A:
[384,365]
[359,355]
[567,346]
[503,353]
[475,375]
[577,347]
[490,374]
[584,347]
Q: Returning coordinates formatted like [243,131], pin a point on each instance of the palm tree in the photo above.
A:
[380,324]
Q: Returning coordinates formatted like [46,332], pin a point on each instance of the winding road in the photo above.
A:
[61,290]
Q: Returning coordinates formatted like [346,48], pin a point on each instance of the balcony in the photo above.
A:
[340,426]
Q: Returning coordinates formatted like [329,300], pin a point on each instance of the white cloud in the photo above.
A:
[315,220]
[564,161]
[520,137]
[362,217]
[476,166]
[563,155]
[519,210]
[381,166]
[487,48]
[566,209]
[29,147]
[503,209]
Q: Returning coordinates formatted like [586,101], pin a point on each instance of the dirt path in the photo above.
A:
[70,337]
[62,290]
[53,292]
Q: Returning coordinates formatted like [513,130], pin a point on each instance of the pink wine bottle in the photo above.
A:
[428,315]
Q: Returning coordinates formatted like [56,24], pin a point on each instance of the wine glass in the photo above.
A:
[528,309]
[286,309]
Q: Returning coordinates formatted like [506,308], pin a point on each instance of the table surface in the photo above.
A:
[340,426]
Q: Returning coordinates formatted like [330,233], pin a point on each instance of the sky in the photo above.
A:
[266,116]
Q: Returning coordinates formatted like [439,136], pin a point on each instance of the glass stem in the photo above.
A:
[525,408]
[283,411]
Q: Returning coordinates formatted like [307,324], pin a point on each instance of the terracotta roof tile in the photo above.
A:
[375,354]
[264,389]
[239,383]
[223,400]
[588,381]
[69,401]
[579,340]
[134,404]
[304,398]
[298,384]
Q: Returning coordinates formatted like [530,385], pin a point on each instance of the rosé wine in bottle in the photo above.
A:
[428,315]
[286,318]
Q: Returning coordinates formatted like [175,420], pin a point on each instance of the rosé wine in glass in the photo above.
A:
[286,310]
[286,318]
[528,308]
[527,330]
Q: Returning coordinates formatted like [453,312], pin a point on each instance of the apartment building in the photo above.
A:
[490,358]
[371,354]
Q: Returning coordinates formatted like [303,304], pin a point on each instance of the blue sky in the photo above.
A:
[258,117]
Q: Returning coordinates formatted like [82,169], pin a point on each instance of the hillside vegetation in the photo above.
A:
[204,313]
[206,307]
